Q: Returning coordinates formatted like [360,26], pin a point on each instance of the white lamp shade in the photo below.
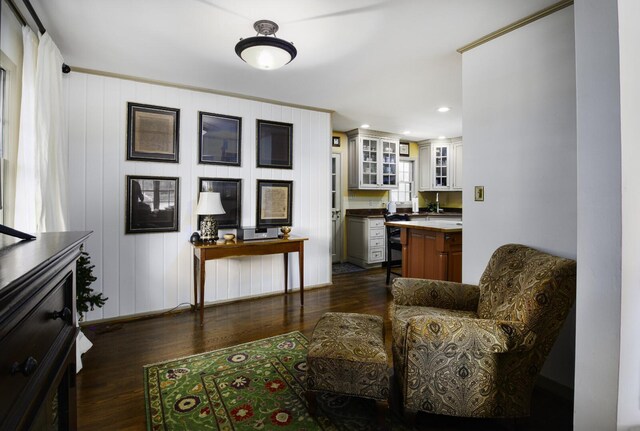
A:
[266,57]
[209,204]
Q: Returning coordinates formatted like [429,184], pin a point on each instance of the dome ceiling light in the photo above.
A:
[263,52]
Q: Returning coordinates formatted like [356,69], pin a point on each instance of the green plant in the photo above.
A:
[432,207]
[86,298]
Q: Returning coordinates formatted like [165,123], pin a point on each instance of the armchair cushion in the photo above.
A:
[435,293]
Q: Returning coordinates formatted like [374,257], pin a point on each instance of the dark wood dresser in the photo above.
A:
[38,331]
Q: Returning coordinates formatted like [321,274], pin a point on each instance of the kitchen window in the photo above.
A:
[406,183]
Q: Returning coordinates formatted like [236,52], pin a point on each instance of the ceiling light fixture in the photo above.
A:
[406,132]
[442,137]
[444,109]
[365,126]
[263,52]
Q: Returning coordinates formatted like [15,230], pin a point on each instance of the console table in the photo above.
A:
[203,251]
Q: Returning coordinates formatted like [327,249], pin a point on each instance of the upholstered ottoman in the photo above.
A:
[347,356]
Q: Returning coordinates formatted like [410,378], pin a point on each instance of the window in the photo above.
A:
[406,185]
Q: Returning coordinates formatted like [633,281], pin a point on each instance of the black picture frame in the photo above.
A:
[274,144]
[153,133]
[335,141]
[152,204]
[275,203]
[219,139]
[230,190]
[403,149]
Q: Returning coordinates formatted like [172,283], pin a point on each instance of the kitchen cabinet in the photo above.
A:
[456,157]
[373,160]
[440,165]
[366,241]
[431,250]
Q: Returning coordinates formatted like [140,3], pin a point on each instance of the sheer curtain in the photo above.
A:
[41,184]
[26,181]
[51,143]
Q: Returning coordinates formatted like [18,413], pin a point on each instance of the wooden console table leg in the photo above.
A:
[196,261]
[301,263]
[202,277]
[286,272]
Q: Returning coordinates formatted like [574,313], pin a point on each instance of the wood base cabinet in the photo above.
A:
[432,255]
[38,331]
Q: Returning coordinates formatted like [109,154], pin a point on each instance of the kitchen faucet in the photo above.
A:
[437,203]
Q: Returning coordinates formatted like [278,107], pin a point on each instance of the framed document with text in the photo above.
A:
[274,203]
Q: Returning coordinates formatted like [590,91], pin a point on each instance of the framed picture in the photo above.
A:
[275,141]
[230,190]
[219,139]
[274,203]
[479,193]
[404,149]
[152,133]
[152,204]
[335,141]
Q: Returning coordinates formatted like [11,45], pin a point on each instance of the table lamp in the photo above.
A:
[209,205]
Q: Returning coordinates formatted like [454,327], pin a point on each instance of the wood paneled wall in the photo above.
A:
[150,272]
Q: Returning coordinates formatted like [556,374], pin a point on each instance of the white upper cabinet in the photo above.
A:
[440,165]
[456,155]
[373,161]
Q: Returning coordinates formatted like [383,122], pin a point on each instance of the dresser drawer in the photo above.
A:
[32,337]
[376,242]
[376,254]
[376,233]
[376,222]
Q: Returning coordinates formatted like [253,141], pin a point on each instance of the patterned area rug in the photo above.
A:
[345,268]
[252,386]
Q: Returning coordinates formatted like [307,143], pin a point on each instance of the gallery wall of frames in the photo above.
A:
[139,154]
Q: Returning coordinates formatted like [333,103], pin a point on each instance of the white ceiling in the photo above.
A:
[388,63]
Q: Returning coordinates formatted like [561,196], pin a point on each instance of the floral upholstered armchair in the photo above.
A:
[475,351]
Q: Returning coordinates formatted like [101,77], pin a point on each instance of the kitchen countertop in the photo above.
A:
[432,225]
[378,213]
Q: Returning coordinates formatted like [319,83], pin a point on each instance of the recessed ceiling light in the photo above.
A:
[444,109]
[365,126]
[406,132]
[442,137]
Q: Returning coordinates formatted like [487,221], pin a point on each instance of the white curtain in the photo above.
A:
[26,181]
[41,185]
[51,141]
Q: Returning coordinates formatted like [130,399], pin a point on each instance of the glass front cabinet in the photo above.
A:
[373,161]
[440,165]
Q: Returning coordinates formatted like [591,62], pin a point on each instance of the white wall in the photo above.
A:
[149,272]
[629,387]
[520,144]
[599,215]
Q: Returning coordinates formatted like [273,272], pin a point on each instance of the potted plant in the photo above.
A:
[86,299]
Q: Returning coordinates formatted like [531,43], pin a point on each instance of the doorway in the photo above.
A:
[336,208]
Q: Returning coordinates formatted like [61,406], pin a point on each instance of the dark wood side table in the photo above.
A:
[207,251]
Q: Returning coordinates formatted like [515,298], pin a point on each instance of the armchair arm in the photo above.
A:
[476,336]
[435,293]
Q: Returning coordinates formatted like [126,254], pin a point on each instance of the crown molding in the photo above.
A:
[516,25]
[195,88]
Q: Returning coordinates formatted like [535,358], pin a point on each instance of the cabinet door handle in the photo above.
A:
[447,237]
[64,314]
[26,368]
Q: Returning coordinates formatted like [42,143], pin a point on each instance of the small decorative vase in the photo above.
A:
[195,237]
[285,231]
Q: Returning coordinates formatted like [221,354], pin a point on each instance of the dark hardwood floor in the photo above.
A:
[110,389]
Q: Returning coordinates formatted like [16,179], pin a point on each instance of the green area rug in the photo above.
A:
[253,386]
